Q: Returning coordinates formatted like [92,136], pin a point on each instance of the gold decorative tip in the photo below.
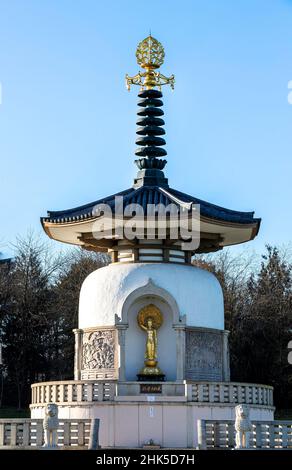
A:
[150,53]
[150,56]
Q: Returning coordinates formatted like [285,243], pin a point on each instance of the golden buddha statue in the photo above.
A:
[150,319]
[151,342]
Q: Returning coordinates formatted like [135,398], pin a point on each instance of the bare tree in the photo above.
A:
[258,306]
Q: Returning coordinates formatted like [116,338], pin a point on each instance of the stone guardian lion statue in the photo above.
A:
[243,427]
[50,426]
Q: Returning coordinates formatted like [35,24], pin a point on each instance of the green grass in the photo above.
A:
[285,414]
[14,413]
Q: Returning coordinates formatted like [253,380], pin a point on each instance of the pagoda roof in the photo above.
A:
[146,195]
[219,226]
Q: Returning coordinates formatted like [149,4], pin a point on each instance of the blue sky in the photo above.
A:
[67,123]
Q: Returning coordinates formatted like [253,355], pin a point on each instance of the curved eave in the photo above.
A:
[74,225]
[75,232]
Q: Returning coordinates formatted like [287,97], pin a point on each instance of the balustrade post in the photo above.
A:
[94,435]
[284,436]
[26,433]
[217,434]
[39,434]
[2,434]
[200,392]
[211,393]
[272,436]
[66,433]
[189,392]
[79,392]
[112,391]
[54,393]
[221,393]
[89,391]
[81,436]
[231,393]
[230,434]
[70,393]
[202,442]
[13,434]
[48,394]
[100,391]
[258,436]
[260,395]
[62,393]
[239,394]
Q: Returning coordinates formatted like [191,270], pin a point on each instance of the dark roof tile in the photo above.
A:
[145,195]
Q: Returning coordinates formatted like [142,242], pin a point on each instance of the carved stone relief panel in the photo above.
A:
[203,355]
[98,351]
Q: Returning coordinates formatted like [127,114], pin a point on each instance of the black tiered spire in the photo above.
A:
[150,124]
[149,132]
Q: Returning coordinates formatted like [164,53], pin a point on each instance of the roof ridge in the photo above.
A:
[185,204]
[201,201]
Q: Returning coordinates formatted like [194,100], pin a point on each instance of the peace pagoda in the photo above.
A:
[151,351]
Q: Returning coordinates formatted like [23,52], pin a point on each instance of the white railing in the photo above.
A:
[29,433]
[229,392]
[198,392]
[72,391]
[264,435]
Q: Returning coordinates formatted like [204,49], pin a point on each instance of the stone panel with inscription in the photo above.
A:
[204,355]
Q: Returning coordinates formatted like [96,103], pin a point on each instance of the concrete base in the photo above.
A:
[134,421]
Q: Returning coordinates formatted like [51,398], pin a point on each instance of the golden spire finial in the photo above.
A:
[150,56]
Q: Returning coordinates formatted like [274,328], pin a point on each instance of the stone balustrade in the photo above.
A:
[81,392]
[72,391]
[28,433]
[230,392]
[264,434]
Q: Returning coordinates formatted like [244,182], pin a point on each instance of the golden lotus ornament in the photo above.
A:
[150,56]
[150,53]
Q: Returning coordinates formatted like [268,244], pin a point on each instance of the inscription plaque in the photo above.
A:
[150,388]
